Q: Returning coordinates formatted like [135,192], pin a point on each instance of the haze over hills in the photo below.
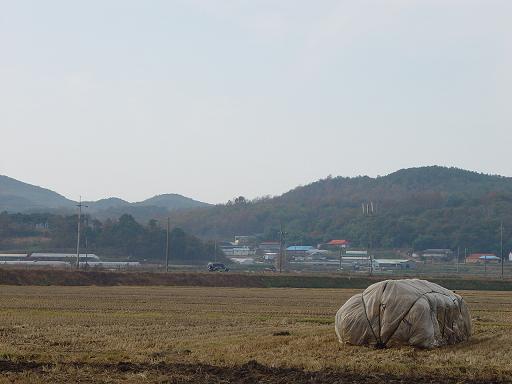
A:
[17,196]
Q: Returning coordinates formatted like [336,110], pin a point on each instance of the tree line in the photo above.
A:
[122,238]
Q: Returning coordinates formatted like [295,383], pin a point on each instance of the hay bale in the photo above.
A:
[408,312]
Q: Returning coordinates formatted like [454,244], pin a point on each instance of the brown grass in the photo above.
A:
[73,333]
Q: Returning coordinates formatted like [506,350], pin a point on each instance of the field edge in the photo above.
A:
[45,277]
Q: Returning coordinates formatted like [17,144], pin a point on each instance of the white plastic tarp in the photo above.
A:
[411,311]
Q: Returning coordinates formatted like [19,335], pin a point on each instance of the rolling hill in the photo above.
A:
[16,196]
[426,207]
[20,197]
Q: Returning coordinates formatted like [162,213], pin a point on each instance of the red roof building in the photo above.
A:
[339,243]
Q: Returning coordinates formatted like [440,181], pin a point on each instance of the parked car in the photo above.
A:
[217,267]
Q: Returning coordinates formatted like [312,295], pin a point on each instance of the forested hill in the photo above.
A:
[403,184]
[423,207]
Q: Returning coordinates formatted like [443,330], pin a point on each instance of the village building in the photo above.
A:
[393,264]
[244,240]
[235,250]
[483,258]
[269,246]
[299,250]
[338,243]
[436,255]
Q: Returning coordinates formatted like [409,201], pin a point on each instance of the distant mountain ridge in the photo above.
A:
[417,208]
[19,197]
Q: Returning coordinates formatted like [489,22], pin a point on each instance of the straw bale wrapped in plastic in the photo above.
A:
[411,312]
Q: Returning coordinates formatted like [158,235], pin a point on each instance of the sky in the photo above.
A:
[219,98]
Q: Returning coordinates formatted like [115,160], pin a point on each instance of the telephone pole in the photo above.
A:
[167,246]
[79,205]
[370,211]
[86,248]
[458,254]
[282,238]
[501,250]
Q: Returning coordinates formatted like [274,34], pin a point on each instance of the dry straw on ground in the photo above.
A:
[93,334]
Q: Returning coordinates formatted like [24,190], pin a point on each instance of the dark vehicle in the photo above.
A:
[217,267]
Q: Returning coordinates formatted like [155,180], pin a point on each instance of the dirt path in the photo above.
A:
[249,373]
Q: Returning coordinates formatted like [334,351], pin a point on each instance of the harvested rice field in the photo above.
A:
[225,335]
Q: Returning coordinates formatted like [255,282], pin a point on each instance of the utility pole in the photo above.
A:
[458,253]
[86,248]
[215,250]
[282,236]
[79,205]
[341,258]
[370,211]
[501,250]
[167,246]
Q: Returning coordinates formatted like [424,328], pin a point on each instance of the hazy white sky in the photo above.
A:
[213,99]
